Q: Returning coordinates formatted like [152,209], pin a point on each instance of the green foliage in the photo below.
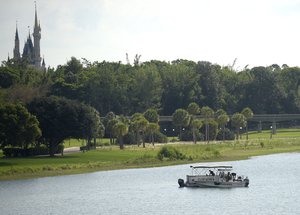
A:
[120,129]
[164,86]
[139,126]
[181,117]
[8,77]
[207,112]
[238,120]
[170,153]
[213,129]
[223,119]
[225,134]
[247,112]
[61,119]
[193,108]
[151,129]
[180,84]
[18,127]
[158,137]
[188,135]
[151,115]
[195,125]
[220,112]
[31,151]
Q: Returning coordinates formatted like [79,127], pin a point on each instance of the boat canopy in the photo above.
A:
[212,166]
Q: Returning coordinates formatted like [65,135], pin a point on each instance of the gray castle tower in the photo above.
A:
[31,51]
[17,45]
[36,38]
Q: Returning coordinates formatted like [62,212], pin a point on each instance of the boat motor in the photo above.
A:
[181,182]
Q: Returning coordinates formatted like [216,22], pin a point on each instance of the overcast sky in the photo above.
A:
[256,32]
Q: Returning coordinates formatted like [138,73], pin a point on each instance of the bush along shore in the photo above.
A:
[110,158]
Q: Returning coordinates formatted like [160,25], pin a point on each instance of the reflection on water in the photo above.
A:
[274,189]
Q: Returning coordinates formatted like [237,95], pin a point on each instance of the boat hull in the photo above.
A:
[219,185]
[206,182]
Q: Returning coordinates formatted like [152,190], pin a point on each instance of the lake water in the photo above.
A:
[274,189]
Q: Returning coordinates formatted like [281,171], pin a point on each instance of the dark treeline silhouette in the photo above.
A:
[165,86]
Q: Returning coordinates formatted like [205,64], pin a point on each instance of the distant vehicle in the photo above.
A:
[213,176]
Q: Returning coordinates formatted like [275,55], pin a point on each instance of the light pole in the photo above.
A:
[271,132]
[241,128]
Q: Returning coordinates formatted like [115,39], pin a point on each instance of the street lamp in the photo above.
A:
[271,132]
[241,128]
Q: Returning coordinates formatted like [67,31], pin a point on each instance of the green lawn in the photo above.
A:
[281,133]
[80,142]
[112,157]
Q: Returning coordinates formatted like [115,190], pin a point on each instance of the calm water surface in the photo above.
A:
[274,189]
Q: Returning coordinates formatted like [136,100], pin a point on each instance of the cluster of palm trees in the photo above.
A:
[195,117]
[139,124]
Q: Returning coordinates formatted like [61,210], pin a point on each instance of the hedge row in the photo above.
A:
[20,152]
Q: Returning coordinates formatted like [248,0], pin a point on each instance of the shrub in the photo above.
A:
[229,135]
[170,153]
[14,152]
[187,135]
[130,138]
[158,137]
[32,151]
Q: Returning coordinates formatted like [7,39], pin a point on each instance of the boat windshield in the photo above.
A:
[210,170]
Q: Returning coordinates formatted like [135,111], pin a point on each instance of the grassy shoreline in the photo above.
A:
[111,158]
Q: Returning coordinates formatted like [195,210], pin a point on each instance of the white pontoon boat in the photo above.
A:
[213,176]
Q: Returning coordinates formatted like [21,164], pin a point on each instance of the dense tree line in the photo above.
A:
[65,102]
[166,86]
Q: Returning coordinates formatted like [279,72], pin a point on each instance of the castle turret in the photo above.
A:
[31,51]
[28,51]
[43,64]
[17,45]
[36,38]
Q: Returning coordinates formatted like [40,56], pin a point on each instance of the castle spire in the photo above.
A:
[17,44]
[17,34]
[35,19]
[36,38]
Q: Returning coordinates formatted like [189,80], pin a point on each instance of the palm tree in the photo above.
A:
[248,114]
[196,124]
[151,115]
[120,130]
[142,125]
[208,113]
[139,125]
[222,120]
[194,109]
[238,120]
[109,122]
[181,118]
[152,127]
